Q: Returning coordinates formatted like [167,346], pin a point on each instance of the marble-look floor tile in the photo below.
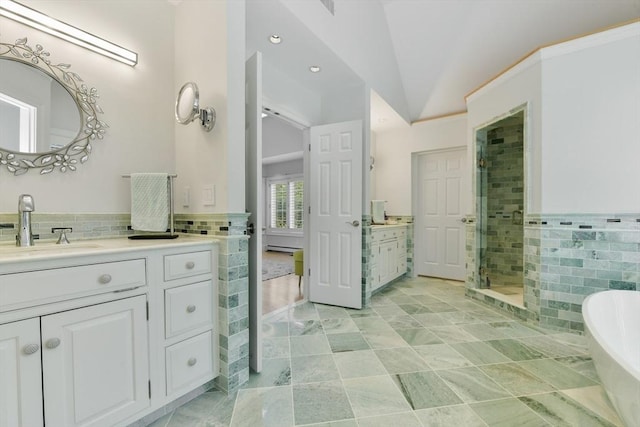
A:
[483,331]
[213,408]
[430,319]
[379,300]
[275,329]
[364,312]
[488,316]
[440,307]
[401,360]
[515,350]
[577,342]
[515,329]
[331,312]
[425,390]
[311,344]
[406,419]
[414,309]
[479,353]
[508,413]
[556,374]
[403,322]
[452,334]
[275,372]
[560,410]
[426,299]
[352,341]
[387,311]
[356,364]
[264,407]
[549,347]
[419,336]
[320,402]
[310,369]
[372,324]
[450,416]
[442,356]
[305,311]
[339,326]
[472,385]
[384,339]
[403,299]
[595,398]
[305,327]
[273,348]
[374,396]
[581,364]
[515,379]
[459,317]
[340,423]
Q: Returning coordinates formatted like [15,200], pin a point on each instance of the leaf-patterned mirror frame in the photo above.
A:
[77,150]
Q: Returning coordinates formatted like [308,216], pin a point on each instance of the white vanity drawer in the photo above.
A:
[19,290]
[189,362]
[188,307]
[187,265]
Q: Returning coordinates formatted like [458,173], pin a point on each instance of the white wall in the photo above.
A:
[591,128]
[216,158]
[582,133]
[280,138]
[393,157]
[137,101]
[358,33]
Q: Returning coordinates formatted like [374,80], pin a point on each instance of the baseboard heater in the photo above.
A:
[282,249]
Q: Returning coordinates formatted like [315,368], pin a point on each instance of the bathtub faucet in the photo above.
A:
[25,207]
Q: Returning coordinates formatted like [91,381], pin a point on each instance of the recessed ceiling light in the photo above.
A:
[314,69]
[275,39]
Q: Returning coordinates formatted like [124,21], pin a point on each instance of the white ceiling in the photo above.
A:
[444,48]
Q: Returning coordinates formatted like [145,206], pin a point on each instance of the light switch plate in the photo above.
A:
[209,195]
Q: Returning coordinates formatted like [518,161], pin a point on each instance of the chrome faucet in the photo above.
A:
[25,207]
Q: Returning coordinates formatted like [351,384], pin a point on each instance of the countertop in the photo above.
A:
[384,226]
[9,252]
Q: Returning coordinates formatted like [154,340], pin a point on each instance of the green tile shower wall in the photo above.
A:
[504,195]
[233,271]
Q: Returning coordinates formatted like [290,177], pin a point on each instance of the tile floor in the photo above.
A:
[421,355]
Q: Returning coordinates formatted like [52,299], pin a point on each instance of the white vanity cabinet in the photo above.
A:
[106,336]
[388,254]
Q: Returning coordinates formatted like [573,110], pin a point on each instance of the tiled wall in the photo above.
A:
[580,255]
[233,270]
[503,188]
[568,257]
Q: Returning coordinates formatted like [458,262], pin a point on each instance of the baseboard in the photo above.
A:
[282,249]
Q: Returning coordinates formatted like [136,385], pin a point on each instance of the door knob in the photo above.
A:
[354,223]
[463,220]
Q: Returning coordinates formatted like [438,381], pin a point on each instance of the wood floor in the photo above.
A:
[281,291]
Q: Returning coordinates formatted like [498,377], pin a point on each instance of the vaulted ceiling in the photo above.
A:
[442,49]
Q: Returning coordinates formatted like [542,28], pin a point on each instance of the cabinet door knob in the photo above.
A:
[190,265]
[52,343]
[191,308]
[104,279]
[192,361]
[30,348]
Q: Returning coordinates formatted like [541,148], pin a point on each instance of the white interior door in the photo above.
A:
[335,194]
[440,232]
[254,203]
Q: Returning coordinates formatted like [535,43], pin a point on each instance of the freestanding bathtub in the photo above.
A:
[612,327]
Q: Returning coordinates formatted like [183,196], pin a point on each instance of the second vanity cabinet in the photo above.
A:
[388,254]
[102,340]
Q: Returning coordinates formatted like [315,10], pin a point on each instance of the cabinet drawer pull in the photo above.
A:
[192,361]
[191,308]
[104,279]
[52,343]
[30,348]
[190,265]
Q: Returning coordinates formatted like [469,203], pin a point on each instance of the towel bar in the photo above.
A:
[172,234]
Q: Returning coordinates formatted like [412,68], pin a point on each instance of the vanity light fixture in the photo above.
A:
[314,68]
[42,22]
[275,39]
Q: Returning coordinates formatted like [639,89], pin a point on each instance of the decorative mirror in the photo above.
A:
[48,115]
[188,107]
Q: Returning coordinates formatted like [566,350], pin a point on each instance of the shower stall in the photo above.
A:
[500,186]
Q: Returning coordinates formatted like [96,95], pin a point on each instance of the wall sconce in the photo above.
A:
[42,22]
[188,107]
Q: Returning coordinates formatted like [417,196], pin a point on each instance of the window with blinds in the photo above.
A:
[286,204]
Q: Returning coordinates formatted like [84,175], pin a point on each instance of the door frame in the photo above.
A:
[415,193]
